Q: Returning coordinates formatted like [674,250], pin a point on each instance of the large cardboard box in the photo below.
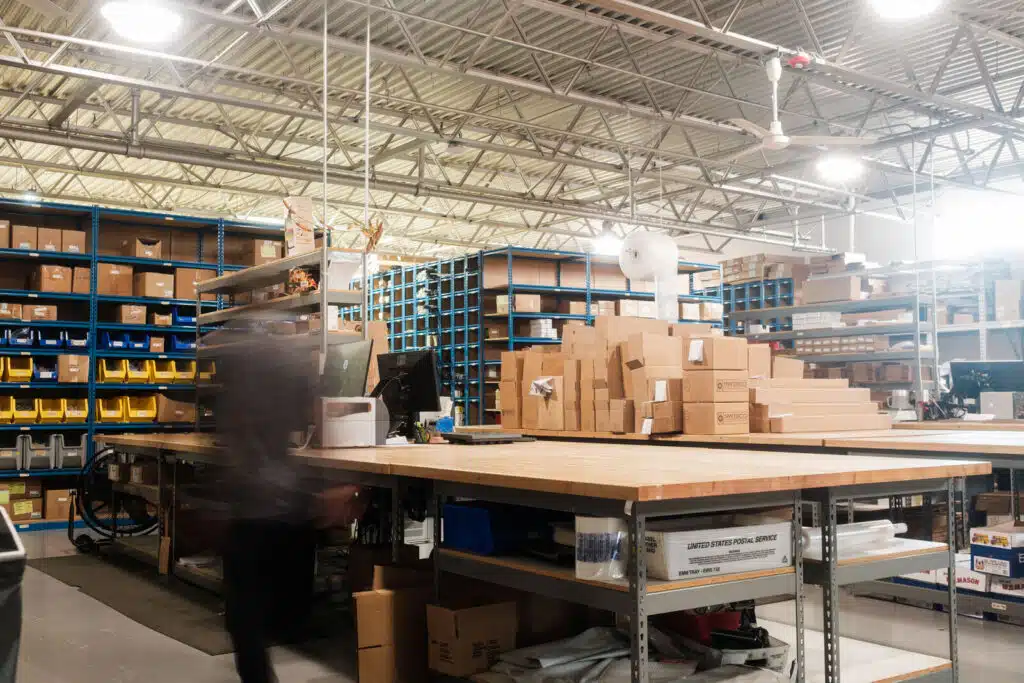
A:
[512,366]
[24,510]
[72,241]
[391,626]
[715,353]
[1006,300]
[787,368]
[186,279]
[20,489]
[57,504]
[113,279]
[49,239]
[716,418]
[518,303]
[258,252]
[551,409]
[131,314]
[788,424]
[5,234]
[647,385]
[155,285]
[466,641]
[616,329]
[511,400]
[809,395]
[852,288]
[621,415]
[143,247]
[525,271]
[81,280]
[677,551]
[9,311]
[50,278]
[46,312]
[661,417]
[72,369]
[24,237]
[171,411]
[759,361]
[579,341]
[588,416]
[715,386]
[653,349]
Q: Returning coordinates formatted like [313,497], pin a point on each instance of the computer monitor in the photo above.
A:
[970,378]
[345,370]
[409,384]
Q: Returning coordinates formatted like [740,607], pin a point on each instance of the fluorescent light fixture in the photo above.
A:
[840,168]
[904,9]
[262,220]
[30,196]
[142,21]
[607,245]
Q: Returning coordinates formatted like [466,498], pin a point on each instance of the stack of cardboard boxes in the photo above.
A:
[715,380]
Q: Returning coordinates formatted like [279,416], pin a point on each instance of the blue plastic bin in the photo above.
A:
[179,318]
[76,339]
[50,339]
[180,344]
[44,370]
[138,341]
[20,336]
[114,340]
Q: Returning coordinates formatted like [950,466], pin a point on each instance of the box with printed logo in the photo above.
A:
[676,550]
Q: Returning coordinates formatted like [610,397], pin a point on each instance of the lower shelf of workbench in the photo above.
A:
[926,595]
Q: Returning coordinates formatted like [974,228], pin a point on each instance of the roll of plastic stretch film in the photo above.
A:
[601,548]
[856,535]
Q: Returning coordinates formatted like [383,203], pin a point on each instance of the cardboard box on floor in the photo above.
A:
[551,409]
[467,640]
[391,625]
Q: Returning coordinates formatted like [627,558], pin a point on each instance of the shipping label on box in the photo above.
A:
[690,554]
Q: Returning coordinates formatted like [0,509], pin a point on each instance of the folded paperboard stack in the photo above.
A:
[787,402]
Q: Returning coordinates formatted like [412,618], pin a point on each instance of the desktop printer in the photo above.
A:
[346,422]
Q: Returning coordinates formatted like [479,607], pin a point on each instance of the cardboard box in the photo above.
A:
[652,349]
[715,386]
[466,641]
[551,409]
[852,288]
[113,280]
[160,319]
[24,237]
[72,369]
[787,368]
[1011,587]
[155,285]
[39,312]
[616,329]
[621,416]
[966,577]
[711,310]
[81,280]
[57,504]
[759,360]
[171,411]
[661,417]
[518,303]
[675,551]
[715,353]
[72,241]
[809,395]
[146,474]
[24,510]
[512,366]
[157,344]
[49,239]
[716,418]
[789,424]
[588,416]
[186,279]
[10,311]
[602,416]
[391,626]
[55,279]
[1006,300]
[259,251]
[143,247]
[5,234]
[572,307]
[647,382]
[525,271]
[579,341]
[131,314]
[22,489]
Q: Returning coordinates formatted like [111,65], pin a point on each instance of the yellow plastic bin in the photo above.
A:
[138,371]
[76,410]
[164,371]
[18,369]
[51,410]
[207,370]
[113,371]
[141,408]
[6,409]
[111,409]
[185,371]
[26,410]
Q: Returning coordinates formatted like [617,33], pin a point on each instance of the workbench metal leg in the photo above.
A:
[954,650]
[963,518]
[830,587]
[637,595]
[1014,496]
[849,511]
[798,564]
[397,522]
[815,514]
[438,512]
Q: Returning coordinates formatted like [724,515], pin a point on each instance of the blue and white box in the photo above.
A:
[998,550]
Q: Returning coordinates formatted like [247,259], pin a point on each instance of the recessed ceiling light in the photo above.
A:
[142,21]
[840,168]
[904,9]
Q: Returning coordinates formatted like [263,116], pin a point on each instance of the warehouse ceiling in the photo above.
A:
[538,123]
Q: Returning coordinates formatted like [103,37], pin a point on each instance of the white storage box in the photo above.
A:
[1011,587]
[966,577]
[674,553]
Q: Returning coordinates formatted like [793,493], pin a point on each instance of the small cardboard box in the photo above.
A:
[677,552]
[39,312]
[73,369]
[57,505]
[160,319]
[621,415]
[551,409]
[260,251]
[715,353]
[715,386]
[518,303]
[588,416]
[24,237]
[463,642]
[790,424]
[652,349]
[131,314]
[81,280]
[143,247]
[144,473]
[391,625]
[716,418]
[49,239]
[852,288]
[113,279]
[24,489]
[24,510]
[155,285]
[5,234]
[661,417]
[170,411]
[512,366]
[55,279]
[759,361]
[9,311]
[72,241]
[157,344]
[185,281]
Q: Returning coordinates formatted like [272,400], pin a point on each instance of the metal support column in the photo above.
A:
[637,595]
[94,238]
[438,511]
[830,588]
[397,522]
[954,654]
[798,564]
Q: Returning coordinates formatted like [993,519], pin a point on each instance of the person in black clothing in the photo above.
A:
[269,554]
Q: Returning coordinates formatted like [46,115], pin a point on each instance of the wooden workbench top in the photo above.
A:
[641,472]
[966,425]
[952,442]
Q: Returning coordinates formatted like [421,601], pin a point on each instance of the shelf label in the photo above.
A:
[168,264]
[162,388]
[33,296]
[24,475]
[999,606]
[34,254]
[24,386]
[162,356]
[23,429]
[25,353]
[165,303]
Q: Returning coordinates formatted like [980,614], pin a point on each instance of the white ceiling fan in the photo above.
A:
[774,139]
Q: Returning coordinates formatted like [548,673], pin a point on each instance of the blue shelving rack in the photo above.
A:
[460,305]
[756,295]
[93,313]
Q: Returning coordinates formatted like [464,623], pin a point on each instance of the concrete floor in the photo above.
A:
[68,637]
